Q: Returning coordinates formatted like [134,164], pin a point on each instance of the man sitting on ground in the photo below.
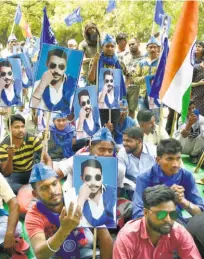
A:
[156,235]
[167,171]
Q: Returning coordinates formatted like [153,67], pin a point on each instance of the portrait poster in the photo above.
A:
[10,82]
[32,48]
[165,28]
[26,69]
[95,183]
[87,117]
[109,88]
[56,79]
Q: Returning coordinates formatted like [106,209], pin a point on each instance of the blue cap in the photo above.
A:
[59,116]
[123,102]
[153,40]
[41,172]
[108,39]
[103,134]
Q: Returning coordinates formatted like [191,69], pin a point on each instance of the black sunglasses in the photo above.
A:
[84,103]
[88,177]
[108,81]
[60,66]
[8,73]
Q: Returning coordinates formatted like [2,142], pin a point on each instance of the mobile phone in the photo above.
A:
[69,195]
[196,112]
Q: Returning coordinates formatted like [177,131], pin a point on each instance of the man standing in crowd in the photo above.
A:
[167,171]
[12,42]
[88,122]
[152,133]
[72,44]
[51,228]
[17,159]
[156,235]
[121,40]
[55,90]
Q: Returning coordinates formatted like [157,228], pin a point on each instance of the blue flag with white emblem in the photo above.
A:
[111,6]
[47,34]
[74,17]
[159,12]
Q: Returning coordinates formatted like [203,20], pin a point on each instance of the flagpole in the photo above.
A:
[173,124]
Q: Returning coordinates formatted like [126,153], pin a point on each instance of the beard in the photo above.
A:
[52,204]
[130,150]
[163,229]
[93,37]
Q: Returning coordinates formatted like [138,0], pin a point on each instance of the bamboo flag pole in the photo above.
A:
[199,164]
[98,51]
[173,124]
[94,243]
[45,139]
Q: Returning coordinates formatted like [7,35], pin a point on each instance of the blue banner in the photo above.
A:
[18,15]
[111,6]
[74,17]
[159,12]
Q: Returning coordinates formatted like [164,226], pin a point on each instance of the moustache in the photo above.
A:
[87,109]
[94,186]
[54,195]
[56,74]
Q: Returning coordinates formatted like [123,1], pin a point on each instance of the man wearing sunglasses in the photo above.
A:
[9,94]
[88,122]
[109,96]
[55,90]
[167,171]
[97,200]
[156,235]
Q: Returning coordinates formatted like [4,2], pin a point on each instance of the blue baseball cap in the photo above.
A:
[41,172]
[103,134]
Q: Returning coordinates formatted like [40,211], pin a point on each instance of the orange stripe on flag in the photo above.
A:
[184,36]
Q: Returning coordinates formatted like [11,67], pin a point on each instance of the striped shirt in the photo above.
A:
[23,158]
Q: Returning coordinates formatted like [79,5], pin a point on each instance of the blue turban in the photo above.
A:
[153,40]
[59,116]
[108,39]
[41,172]
[103,134]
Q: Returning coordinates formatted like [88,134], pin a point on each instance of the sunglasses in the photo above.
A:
[8,73]
[162,214]
[109,81]
[84,103]
[88,177]
[60,66]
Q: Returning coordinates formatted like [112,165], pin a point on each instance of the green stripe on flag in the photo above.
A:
[185,103]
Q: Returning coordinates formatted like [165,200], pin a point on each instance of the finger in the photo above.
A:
[70,210]
[63,213]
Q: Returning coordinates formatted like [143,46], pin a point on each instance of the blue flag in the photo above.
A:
[18,15]
[47,34]
[156,85]
[111,6]
[73,17]
[159,12]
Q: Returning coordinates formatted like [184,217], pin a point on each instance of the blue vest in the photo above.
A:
[16,99]
[96,127]
[115,103]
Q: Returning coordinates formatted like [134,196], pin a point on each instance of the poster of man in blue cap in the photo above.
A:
[109,88]
[96,190]
[10,83]
[86,112]
[56,79]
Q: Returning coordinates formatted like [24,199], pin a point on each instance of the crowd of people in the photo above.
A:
[160,212]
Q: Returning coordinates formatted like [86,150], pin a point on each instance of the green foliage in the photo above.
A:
[133,17]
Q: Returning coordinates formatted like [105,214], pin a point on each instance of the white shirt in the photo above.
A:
[155,137]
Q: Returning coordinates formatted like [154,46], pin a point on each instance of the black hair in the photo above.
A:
[90,163]
[168,146]
[134,132]
[16,117]
[154,196]
[57,52]
[5,63]
[83,93]
[199,42]
[190,103]
[144,115]
[121,36]
[108,72]
[33,185]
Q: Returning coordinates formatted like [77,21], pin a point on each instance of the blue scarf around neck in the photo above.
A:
[16,99]
[96,127]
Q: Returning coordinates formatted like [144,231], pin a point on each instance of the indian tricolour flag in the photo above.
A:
[176,86]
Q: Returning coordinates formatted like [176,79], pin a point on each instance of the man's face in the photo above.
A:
[109,49]
[7,75]
[57,66]
[109,81]
[152,49]
[85,104]
[92,32]
[123,111]
[149,126]
[191,109]
[122,44]
[49,191]
[93,178]
[130,144]
[133,45]
[198,49]
[18,129]
[161,226]
[102,148]
[170,163]
[72,46]
[12,43]
[60,123]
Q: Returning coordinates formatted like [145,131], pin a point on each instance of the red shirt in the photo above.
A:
[133,242]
